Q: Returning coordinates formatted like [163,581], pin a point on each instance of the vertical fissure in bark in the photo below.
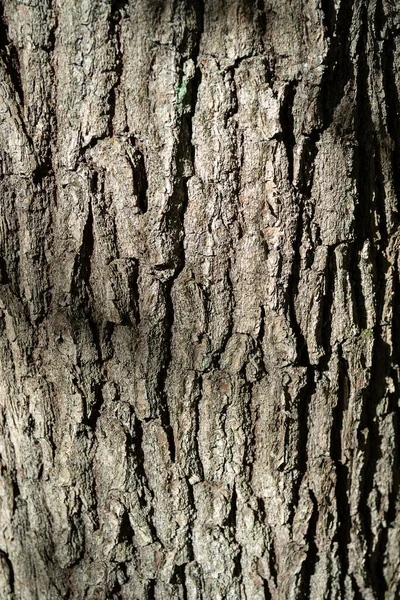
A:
[197,428]
[339,66]
[216,360]
[326,307]
[390,515]
[137,444]
[337,73]
[293,289]
[287,124]
[49,158]
[163,406]
[11,577]
[364,159]
[342,480]
[266,590]
[184,153]
[329,11]
[372,450]
[304,397]
[231,523]
[356,589]
[380,368]
[191,520]
[261,22]
[365,211]
[272,561]
[9,55]
[311,558]
[139,176]
[392,107]
[116,16]
[126,532]
[308,155]
[151,590]
[179,578]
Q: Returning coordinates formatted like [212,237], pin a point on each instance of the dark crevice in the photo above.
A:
[15,490]
[378,184]
[342,481]
[237,572]
[338,72]
[232,515]
[369,211]
[272,562]
[326,308]
[83,263]
[379,19]
[261,333]
[191,520]
[93,412]
[394,404]
[392,106]
[304,397]
[9,54]
[374,392]
[115,591]
[52,149]
[197,428]
[11,577]
[379,555]
[364,158]
[308,155]
[308,389]
[372,202]
[338,62]
[3,272]
[82,307]
[216,359]
[139,454]
[378,559]
[4,41]
[163,407]
[126,532]
[267,591]
[185,151]
[41,172]
[311,559]
[356,590]
[287,124]
[139,176]
[261,511]
[151,590]
[117,13]
[135,445]
[357,292]
[231,523]
[179,578]
[260,22]
[328,9]
[293,288]
[177,206]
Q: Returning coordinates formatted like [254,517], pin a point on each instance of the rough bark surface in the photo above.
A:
[200,343]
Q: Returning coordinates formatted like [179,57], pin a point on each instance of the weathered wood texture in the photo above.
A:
[199,296]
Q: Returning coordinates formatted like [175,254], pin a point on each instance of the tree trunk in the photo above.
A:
[199,297]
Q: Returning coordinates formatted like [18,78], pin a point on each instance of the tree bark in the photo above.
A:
[200,343]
